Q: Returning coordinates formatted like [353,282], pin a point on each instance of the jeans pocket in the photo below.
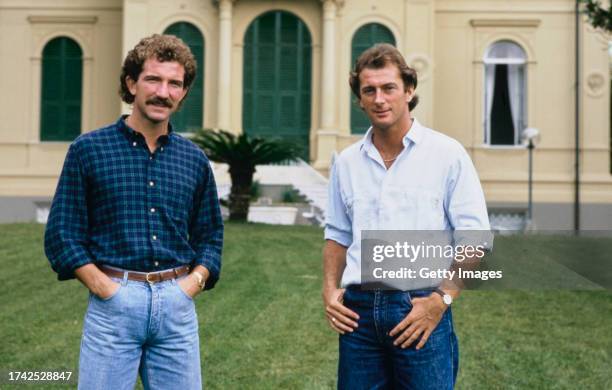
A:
[354,300]
[407,300]
[182,292]
[419,294]
[402,308]
[113,295]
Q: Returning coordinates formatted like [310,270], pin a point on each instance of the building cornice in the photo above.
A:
[84,19]
[505,23]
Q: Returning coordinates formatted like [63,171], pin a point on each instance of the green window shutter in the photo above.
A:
[277,78]
[366,37]
[189,117]
[61,94]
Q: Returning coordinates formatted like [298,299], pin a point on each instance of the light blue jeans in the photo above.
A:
[151,329]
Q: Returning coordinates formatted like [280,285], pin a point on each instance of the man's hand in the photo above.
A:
[96,281]
[421,321]
[189,285]
[340,318]
[106,289]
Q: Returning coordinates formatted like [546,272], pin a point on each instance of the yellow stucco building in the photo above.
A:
[487,69]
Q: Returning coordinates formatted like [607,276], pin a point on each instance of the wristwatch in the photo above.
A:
[200,278]
[447,299]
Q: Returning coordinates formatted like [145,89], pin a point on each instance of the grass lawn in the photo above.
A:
[263,326]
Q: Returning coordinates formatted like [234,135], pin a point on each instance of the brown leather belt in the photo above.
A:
[151,277]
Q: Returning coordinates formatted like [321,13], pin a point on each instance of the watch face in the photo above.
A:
[447,299]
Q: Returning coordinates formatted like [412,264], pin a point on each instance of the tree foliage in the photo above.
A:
[599,16]
[242,153]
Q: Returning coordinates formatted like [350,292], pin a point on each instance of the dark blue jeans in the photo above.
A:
[368,358]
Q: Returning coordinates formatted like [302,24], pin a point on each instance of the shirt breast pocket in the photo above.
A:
[419,209]
[361,210]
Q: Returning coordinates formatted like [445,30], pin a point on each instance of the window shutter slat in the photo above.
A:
[61,94]
[277,78]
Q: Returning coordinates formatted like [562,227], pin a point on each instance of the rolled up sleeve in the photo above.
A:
[466,206]
[66,233]
[338,225]
[206,228]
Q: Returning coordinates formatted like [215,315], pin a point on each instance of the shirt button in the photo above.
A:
[156,263]
[134,143]
[151,183]
[161,149]
[154,237]
[150,157]
[152,209]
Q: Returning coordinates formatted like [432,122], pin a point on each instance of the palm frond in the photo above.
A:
[223,146]
[242,153]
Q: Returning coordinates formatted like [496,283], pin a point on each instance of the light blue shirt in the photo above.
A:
[432,185]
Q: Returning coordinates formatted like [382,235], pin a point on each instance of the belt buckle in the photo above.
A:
[147,277]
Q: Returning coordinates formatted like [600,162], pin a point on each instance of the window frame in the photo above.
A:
[41,106]
[523,118]
[252,91]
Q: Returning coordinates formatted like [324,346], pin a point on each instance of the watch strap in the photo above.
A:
[443,295]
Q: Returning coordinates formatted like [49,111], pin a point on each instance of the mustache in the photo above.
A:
[157,101]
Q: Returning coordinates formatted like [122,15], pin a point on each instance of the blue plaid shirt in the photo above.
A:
[118,204]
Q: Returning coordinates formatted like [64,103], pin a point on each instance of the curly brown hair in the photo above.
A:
[163,48]
[377,57]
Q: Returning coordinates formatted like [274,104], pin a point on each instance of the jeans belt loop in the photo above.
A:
[125,278]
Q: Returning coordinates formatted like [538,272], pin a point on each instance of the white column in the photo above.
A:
[135,27]
[327,134]
[418,49]
[225,64]
[328,71]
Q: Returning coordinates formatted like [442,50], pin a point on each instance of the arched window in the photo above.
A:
[505,93]
[277,78]
[62,82]
[189,117]
[367,36]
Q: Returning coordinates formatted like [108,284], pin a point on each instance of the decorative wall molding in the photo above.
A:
[601,36]
[35,19]
[505,23]
[595,84]
[421,63]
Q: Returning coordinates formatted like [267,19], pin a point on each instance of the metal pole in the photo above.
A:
[577,125]
[530,201]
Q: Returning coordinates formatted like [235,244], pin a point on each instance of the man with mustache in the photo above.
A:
[400,176]
[136,219]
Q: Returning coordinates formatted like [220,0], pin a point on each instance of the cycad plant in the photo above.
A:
[242,153]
